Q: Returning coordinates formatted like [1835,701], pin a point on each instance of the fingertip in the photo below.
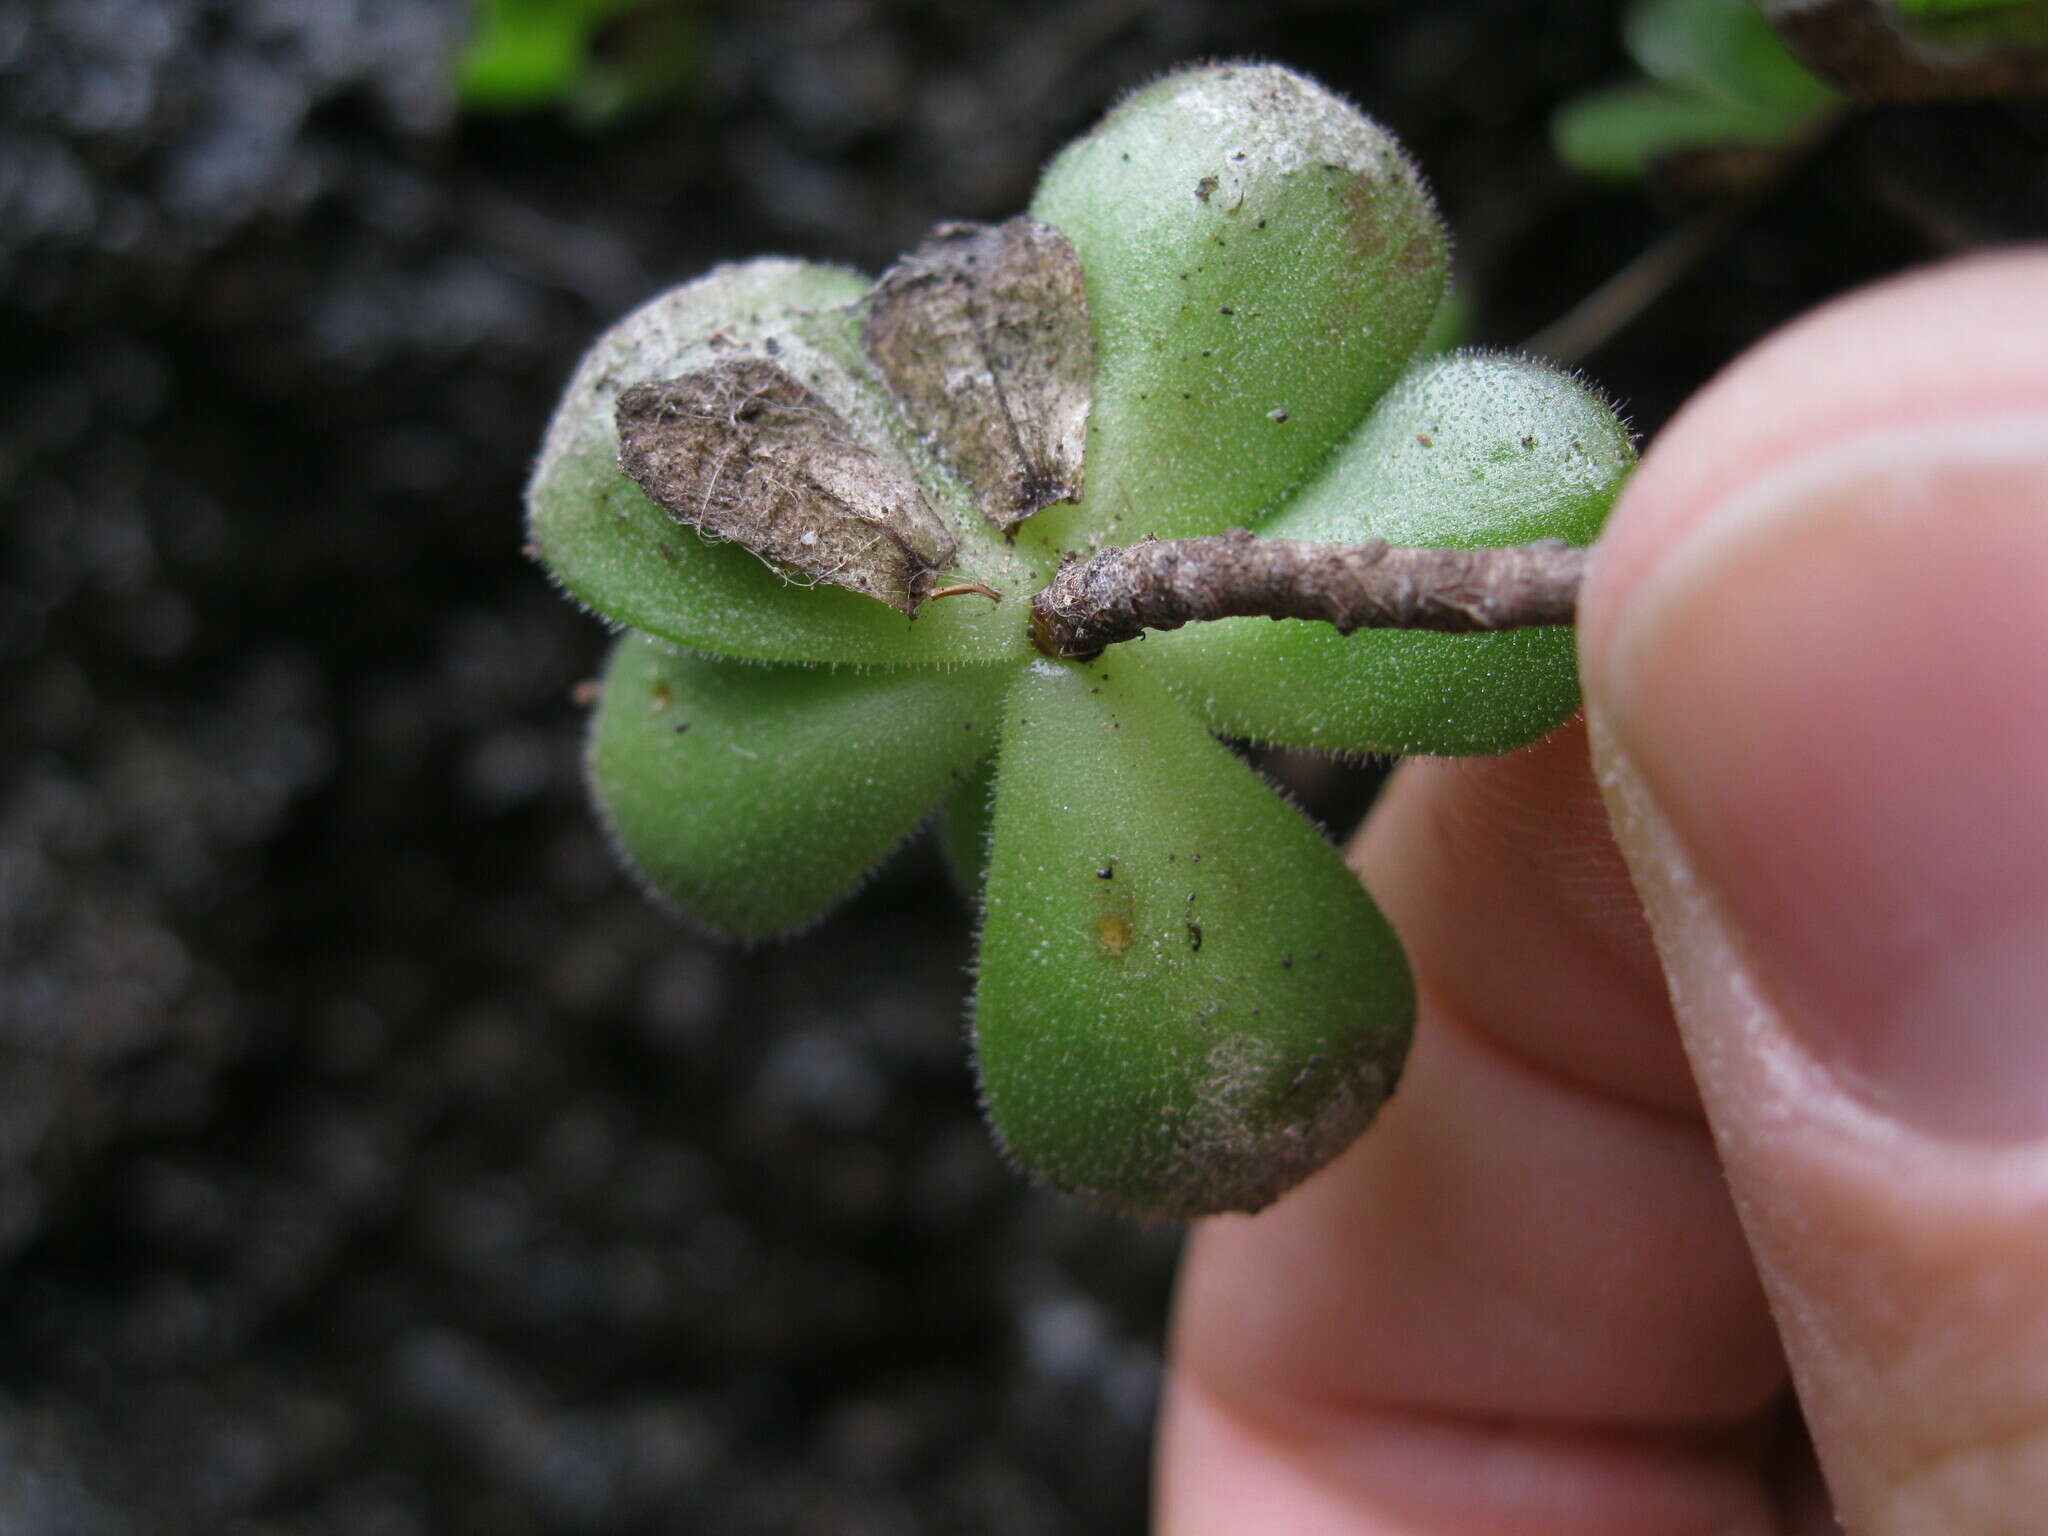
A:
[1812,649]
[1966,334]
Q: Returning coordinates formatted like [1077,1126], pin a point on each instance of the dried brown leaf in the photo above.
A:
[983,336]
[745,452]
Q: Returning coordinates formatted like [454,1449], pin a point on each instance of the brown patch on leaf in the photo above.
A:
[1386,213]
[1365,214]
[982,334]
[1253,1123]
[1418,255]
[1255,1130]
[1113,934]
[743,451]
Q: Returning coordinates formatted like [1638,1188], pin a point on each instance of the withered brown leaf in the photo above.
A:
[743,451]
[982,334]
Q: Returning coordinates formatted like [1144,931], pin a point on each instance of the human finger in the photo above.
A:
[1815,647]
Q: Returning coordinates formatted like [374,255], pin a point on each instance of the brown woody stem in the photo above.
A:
[1165,583]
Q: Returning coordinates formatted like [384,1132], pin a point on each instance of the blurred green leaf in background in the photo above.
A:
[1977,22]
[1716,77]
[599,59]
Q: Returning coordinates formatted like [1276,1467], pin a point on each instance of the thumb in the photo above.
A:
[1815,646]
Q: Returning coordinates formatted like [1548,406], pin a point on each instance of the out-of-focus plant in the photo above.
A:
[528,54]
[1978,21]
[1717,77]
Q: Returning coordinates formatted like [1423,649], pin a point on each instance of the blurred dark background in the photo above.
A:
[373,1159]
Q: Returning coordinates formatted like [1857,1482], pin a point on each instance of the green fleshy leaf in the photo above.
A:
[755,796]
[1619,134]
[1720,78]
[1725,50]
[1187,1003]
[1261,262]
[1401,691]
[628,559]
[1450,325]
[966,821]
[1470,449]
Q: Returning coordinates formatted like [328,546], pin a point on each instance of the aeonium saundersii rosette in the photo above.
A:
[820,509]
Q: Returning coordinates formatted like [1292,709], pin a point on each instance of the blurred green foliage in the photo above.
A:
[1716,76]
[599,59]
[1978,23]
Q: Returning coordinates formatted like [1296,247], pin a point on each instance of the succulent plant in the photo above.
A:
[819,509]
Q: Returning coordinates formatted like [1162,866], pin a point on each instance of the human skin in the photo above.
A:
[1732,1218]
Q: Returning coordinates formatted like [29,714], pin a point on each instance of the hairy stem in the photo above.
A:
[1165,583]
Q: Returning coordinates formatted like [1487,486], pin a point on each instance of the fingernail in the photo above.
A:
[1834,690]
